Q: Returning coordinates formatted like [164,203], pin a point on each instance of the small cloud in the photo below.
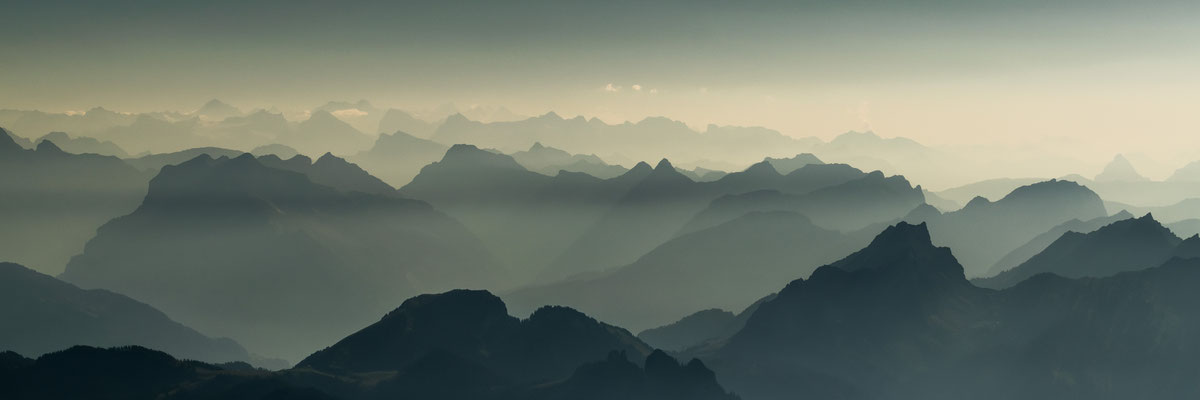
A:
[611,88]
[637,87]
[349,113]
[74,113]
[653,91]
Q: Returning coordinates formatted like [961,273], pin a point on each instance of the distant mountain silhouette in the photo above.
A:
[991,189]
[154,162]
[787,165]
[1185,228]
[217,110]
[1186,173]
[701,328]
[1183,210]
[940,203]
[400,121]
[1042,241]
[322,132]
[1125,245]
[82,145]
[574,223]
[649,139]
[42,314]
[51,201]
[362,115]
[226,244]
[982,232]
[275,149]
[497,197]
[398,157]
[745,257]
[1119,170]
[549,160]
[834,196]
[898,319]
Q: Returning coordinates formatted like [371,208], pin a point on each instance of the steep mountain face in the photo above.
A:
[51,201]
[898,320]
[1119,170]
[703,328]
[1041,242]
[983,232]
[475,327]
[42,314]
[322,132]
[225,245]
[1126,245]
[549,160]
[398,157]
[745,257]
[82,145]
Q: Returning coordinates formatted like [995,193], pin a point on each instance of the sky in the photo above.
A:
[1105,76]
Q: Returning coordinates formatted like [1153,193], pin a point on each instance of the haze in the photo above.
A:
[1080,80]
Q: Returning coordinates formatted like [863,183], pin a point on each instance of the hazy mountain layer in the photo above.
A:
[983,232]
[1126,245]
[898,319]
[51,201]
[268,257]
[42,314]
[1041,242]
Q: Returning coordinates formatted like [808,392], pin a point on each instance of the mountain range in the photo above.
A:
[224,245]
[898,319]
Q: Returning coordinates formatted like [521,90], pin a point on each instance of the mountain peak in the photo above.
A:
[664,165]
[762,168]
[1120,170]
[472,156]
[905,247]
[49,147]
[536,146]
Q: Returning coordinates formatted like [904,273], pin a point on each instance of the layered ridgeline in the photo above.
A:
[983,231]
[42,314]
[549,160]
[572,223]
[398,157]
[463,345]
[51,201]
[702,328]
[270,258]
[899,320]
[1044,240]
[459,345]
[648,139]
[745,257]
[1126,245]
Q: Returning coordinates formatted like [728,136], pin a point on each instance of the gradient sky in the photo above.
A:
[1103,74]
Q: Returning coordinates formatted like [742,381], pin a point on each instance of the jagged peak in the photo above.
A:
[664,165]
[536,146]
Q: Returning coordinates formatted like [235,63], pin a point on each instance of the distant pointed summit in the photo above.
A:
[1120,170]
[664,165]
[8,143]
